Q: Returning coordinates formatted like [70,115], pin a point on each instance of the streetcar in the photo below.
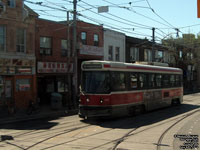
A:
[116,89]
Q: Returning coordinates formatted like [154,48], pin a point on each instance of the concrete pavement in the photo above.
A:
[44,112]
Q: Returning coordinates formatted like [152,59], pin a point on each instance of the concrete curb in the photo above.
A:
[38,116]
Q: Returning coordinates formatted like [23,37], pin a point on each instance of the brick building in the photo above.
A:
[17,54]
[52,57]
[55,61]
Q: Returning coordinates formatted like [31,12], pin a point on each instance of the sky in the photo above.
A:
[135,18]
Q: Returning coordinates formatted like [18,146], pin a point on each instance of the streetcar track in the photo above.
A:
[120,140]
[164,133]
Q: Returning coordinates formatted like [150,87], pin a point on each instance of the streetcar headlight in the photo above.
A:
[87,100]
[101,100]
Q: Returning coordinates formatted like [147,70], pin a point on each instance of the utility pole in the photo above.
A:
[75,55]
[153,42]
[68,62]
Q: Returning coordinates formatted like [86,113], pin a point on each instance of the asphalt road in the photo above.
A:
[164,129]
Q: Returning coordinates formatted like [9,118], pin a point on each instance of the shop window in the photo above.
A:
[62,85]
[2,38]
[21,38]
[50,86]
[45,46]
[23,85]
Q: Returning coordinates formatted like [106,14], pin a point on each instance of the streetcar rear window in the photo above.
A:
[96,82]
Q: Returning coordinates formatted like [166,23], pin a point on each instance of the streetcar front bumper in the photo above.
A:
[94,111]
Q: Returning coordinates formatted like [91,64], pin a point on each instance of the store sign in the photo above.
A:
[54,67]
[91,50]
[17,62]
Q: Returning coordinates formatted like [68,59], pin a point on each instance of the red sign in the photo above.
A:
[54,67]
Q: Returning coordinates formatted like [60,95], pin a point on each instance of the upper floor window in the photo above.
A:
[64,48]
[134,54]
[147,55]
[84,38]
[11,3]
[45,46]
[110,52]
[96,40]
[21,40]
[117,53]
[2,38]
[159,56]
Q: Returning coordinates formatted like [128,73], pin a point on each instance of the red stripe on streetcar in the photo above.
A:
[106,66]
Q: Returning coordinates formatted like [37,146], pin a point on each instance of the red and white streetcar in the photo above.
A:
[116,88]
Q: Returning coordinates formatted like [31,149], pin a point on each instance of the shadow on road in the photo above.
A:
[144,119]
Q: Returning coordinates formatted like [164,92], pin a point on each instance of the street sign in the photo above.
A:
[102,9]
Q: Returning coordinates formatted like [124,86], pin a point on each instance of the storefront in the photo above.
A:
[53,77]
[17,81]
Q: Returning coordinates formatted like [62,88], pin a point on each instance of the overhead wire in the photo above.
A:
[127,21]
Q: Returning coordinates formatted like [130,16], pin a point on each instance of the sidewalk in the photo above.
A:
[45,112]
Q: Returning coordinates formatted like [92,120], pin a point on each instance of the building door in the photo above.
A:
[8,88]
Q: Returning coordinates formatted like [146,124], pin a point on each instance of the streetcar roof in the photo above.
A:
[120,66]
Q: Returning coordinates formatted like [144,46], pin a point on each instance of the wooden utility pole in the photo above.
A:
[69,62]
[153,42]
[75,82]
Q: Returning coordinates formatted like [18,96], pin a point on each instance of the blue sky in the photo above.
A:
[133,17]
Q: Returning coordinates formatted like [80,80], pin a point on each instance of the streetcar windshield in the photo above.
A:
[96,82]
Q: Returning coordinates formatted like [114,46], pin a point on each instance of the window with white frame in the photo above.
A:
[21,40]
[147,55]
[117,53]
[110,52]
[45,46]
[11,3]
[64,48]
[2,38]
[134,54]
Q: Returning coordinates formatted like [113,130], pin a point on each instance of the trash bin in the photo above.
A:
[56,100]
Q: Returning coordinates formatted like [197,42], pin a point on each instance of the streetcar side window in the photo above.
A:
[152,83]
[133,80]
[143,80]
[166,81]
[158,80]
[178,80]
[172,80]
[118,81]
